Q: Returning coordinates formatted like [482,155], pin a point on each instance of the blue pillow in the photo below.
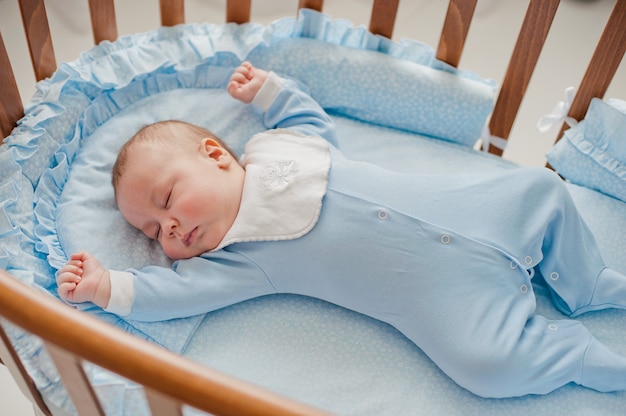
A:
[436,101]
[593,153]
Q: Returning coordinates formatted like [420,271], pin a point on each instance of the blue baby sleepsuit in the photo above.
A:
[446,259]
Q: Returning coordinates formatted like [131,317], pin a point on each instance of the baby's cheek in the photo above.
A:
[194,207]
[171,252]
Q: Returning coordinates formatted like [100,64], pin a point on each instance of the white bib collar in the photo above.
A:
[286,179]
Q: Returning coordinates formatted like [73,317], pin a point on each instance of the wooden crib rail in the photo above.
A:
[170,380]
[455,30]
[172,12]
[383,17]
[11,360]
[103,23]
[530,41]
[38,36]
[238,11]
[11,108]
[603,64]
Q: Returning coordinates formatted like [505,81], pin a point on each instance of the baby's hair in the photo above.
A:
[175,135]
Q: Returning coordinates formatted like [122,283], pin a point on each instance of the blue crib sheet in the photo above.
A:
[60,158]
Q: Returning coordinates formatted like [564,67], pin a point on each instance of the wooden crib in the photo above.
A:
[170,381]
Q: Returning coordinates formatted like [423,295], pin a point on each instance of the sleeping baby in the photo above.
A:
[448,260]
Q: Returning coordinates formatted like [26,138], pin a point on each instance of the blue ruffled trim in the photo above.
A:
[603,137]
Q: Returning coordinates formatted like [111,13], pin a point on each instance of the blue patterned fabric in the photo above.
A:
[593,153]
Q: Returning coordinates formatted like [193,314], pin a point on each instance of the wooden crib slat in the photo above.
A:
[603,64]
[383,17]
[103,23]
[172,12]
[11,108]
[311,4]
[455,29]
[75,381]
[535,28]
[11,360]
[238,11]
[161,405]
[35,22]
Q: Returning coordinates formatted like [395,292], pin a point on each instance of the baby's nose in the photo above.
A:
[171,228]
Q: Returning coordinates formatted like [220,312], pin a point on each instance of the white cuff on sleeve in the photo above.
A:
[122,293]
[268,92]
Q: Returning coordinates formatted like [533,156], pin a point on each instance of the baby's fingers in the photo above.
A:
[73,263]
[66,290]
[233,88]
[245,69]
[68,276]
[74,268]
[242,74]
[67,287]
[238,78]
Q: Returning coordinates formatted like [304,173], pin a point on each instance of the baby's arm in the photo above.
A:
[284,103]
[83,279]
[190,287]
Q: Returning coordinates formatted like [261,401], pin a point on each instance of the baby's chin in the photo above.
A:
[186,255]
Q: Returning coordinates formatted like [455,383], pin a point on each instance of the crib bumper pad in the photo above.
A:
[593,153]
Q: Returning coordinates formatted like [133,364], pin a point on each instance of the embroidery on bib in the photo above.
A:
[276,175]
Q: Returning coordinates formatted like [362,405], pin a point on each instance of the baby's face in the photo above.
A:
[185,201]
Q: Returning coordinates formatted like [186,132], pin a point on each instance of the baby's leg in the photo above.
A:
[572,264]
[528,213]
[475,319]
[546,356]
[609,292]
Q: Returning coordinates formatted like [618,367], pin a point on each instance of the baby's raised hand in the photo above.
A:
[245,82]
[83,279]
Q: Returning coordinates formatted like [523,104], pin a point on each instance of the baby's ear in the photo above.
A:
[211,148]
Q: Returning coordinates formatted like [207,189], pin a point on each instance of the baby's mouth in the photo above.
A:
[190,237]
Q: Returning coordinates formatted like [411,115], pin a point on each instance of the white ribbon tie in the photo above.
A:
[495,141]
[558,115]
